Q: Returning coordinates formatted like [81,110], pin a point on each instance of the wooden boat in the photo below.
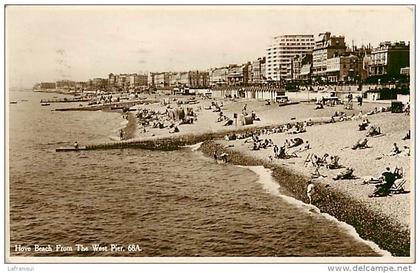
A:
[13,102]
[44,104]
[70,149]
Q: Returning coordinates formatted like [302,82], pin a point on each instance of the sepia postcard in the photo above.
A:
[209,134]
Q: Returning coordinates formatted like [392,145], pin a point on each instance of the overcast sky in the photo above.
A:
[81,42]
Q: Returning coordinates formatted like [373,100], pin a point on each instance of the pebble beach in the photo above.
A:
[332,138]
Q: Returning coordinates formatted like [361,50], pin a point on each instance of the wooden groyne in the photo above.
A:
[64,100]
[175,142]
[110,106]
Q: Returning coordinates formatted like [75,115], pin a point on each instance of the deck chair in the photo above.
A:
[308,160]
[398,186]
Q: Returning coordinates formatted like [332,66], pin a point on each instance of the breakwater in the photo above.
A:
[64,100]
[108,106]
[368,224]
[175,141]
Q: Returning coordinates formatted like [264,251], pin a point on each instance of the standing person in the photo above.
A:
[276,150]
[76,145]
[121,134]
[310,190]
[215,156]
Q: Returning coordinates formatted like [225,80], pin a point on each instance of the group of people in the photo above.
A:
[397,151]
[261,144]
[284,151]
[386,183]
[170,119]
[293,128]
[328,161]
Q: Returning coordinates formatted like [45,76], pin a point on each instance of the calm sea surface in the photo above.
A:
[177,203]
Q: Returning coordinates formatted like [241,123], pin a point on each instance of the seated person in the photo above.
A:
[360,144]
[228,123]
[309,123]
[373,131]
[295,142]
[385,188]
[174,130]
[346,174]
[224,157]
[305,147]
[407,136]
[363,125]
[316,173]
[256,146]
[319,106]
[333,164]
[395,150]
[282,152]
[406,151]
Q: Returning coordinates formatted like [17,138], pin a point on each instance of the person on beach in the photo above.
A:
[407,136]
[406,151]
[310,190]
[307,146]
[76,145]
[121,134]
[360,144]
[346,174]
[276,149]
[395,150]
[384,189]
[215,156]
[224,157]
[373,131]
[364,125]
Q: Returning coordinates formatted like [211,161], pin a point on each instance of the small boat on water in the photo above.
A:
[45,104]
[13,102]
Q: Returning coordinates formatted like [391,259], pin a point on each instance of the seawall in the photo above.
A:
[368,224]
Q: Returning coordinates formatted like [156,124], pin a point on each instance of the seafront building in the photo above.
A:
[388,59]
[290,61]
[282,50]
[257,73]
[326,47]
[218,76]
[344,69]
[191,79]
[302,67]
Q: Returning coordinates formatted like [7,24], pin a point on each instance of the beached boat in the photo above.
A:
[13,102]
[45,104]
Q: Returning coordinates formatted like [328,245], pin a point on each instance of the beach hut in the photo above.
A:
[373,95]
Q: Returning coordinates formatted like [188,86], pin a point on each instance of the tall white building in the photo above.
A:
[282,50]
